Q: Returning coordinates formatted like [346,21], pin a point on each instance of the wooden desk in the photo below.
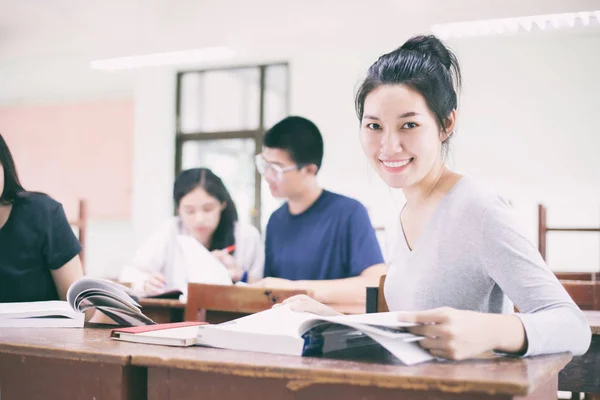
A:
[163,310]
[86,364]
[67,363]
[204,373]
[583,373]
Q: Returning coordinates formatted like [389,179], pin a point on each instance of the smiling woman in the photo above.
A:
[457,257]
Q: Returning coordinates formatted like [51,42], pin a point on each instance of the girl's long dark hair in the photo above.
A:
[12,185]
[193,178]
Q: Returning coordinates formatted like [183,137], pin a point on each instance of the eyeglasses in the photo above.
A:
[271,170]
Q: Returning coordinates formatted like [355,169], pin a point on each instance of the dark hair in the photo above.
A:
[424,64]
[298,136]
[193,178]
[12,185]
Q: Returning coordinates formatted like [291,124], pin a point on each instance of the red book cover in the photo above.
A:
[157,327]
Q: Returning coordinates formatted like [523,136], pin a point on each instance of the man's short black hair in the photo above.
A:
[298,136]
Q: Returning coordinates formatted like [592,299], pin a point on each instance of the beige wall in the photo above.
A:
[75,150]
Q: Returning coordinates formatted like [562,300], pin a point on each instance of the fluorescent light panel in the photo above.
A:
[164,59]
[514,25]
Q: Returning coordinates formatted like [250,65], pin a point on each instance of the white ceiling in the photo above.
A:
[42,29]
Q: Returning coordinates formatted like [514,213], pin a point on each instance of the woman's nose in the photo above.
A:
[390,143]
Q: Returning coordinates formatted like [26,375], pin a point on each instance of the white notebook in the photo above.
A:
[283,331]
[45,314]
[110,298]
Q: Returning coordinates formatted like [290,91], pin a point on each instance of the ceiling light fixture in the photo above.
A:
[514,25]
[164,59]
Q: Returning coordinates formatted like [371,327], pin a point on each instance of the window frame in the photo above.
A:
[256,134]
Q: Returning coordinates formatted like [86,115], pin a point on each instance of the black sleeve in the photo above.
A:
[61,245]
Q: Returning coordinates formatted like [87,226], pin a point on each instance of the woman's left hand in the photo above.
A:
[453,334]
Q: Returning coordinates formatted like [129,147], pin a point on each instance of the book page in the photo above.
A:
[36,309]
[185,332]
[388,319]
[86,284]
[201,266]
[280,320]
[382,324]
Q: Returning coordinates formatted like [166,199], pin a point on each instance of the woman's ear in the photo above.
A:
[450,126]
[223,206]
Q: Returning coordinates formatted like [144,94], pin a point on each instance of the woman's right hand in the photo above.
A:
[304,303]
[155,283]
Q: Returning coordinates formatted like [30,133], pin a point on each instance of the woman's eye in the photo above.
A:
[409,125]
[373,126]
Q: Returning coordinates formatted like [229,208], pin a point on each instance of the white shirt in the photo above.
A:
[162,253]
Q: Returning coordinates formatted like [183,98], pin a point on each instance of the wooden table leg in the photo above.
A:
[33,377]
[582,374]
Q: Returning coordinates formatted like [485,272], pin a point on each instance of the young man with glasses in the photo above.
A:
[318,240]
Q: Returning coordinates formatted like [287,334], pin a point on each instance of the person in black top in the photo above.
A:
[39,253]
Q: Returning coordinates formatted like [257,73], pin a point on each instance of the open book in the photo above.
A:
[283,331]
[108,297]
[168,294]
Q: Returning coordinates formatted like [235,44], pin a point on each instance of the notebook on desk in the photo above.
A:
[174,334]
[86,293]
[40,314]
[283,331]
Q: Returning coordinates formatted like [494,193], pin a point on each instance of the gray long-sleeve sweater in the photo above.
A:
[472,256]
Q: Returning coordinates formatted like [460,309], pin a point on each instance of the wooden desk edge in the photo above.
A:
[593,319]
[552,370]
[64,354]
[304,378]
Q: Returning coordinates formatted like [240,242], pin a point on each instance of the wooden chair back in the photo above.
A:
[219,303]
[376,298]
[81,225]
[381,303]
[543,230]
[586,294]
[578,276]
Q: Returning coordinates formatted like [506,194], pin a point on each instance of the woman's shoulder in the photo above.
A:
[37,199]
[473,196]
[244,231]
[37,205]
[480,205]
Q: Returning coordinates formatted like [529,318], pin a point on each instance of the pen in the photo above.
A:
[230,249]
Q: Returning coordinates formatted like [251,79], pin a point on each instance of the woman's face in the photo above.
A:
[400,135]
[200,214]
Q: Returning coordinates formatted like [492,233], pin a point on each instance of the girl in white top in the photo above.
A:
[207,213]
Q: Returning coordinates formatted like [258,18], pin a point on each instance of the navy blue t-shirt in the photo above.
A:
[35,239]
[332,239]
